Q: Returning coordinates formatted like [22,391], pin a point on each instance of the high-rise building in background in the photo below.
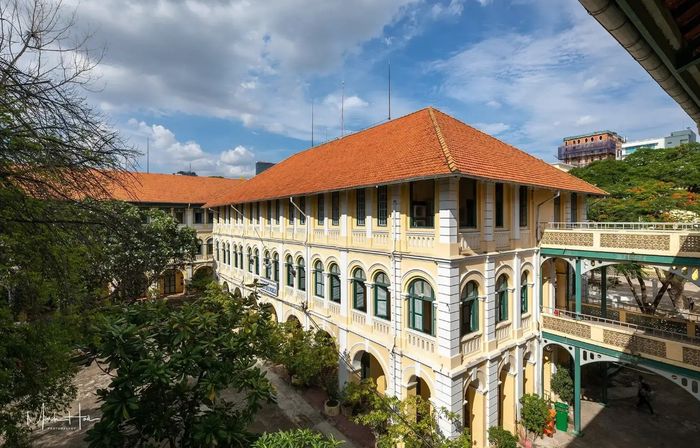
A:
[675,139]
[580,150]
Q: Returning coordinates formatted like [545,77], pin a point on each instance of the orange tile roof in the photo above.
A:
[423,144]
[168,188]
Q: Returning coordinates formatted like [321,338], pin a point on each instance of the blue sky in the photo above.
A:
[217,85]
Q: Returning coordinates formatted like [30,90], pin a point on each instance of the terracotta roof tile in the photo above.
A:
[426,143]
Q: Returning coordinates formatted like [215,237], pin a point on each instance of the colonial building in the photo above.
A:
[413,243]
[182,197]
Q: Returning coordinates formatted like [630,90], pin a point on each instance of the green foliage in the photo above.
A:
[359,395]
[35,370]
[535,414]
[649,185]
[296,438]
[172,367]
[563,385]
[309,355]
[502,438]
[201,279]
[411,422]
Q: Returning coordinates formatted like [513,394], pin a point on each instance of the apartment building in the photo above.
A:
[183,198]
[413,243]
[581,150]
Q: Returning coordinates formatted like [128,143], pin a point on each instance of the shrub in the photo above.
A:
[297,437]
[535,413]
[502,438]
[307,354]
[562,384]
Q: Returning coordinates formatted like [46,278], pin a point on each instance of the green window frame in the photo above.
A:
[268,265]
[335,208]
[502,298]
[217,251]
[276,267]
[290,271]
[334,280]
[256,261]
[319,283]
[467,203]
[421,313]
[382,205]
[574,208]
[524,294]
[301,274]
[359,290]
[250,260]
[321,209]
[360,209]
[469,310]
[382,296]
[302,213]
[292,213]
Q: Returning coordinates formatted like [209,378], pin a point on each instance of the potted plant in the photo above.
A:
[330,383]
[357,396]
[534,416]
[563,386]
[502,438]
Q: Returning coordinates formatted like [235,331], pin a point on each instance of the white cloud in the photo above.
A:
[492,128]
[168,154]
[558,82]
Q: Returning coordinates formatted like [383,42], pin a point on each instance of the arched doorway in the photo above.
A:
[201,279]
[473,413]
[293,322]
[269,308]
[528,386]
[172,282]
[367,366]
[225,287]
[237,293]
[418,387]
[506,398]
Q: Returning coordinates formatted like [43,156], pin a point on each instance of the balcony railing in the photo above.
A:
[650,226]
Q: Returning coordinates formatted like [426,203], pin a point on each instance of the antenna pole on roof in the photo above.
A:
[342,106]
[312,122]
[148,154]
[389,66]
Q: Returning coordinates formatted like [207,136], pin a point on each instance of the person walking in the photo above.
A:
[644,394]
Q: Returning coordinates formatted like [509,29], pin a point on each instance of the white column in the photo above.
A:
[447,309]
[515,214]
[492,393]
[489,211]
[516,288]
[537,347]
[395,355]
[448,211]
[490,303]
[344,290]
[519,373]
[449,395]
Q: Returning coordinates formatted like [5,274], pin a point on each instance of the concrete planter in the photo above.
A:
[346,410]
[331,408]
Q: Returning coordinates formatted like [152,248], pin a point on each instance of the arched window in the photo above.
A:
[359,290]
[420,306]
[240,256]
[256,261]
[236,250]
[469,309]
[227,254]
[382,299]
[319,284]
[250,260]
[502,298]
[267,265]
[334,278]
[276,267]
[290,270]
[217,251]
[301,278]
[210,247]
[524,294]
[200,247]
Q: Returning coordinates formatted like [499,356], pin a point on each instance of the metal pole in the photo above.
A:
[578,285]
[577,391]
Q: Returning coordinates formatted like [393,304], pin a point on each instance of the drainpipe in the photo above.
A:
[537,213]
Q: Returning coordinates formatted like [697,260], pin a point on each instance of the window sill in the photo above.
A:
[502,324]
[420,333]
[473,335]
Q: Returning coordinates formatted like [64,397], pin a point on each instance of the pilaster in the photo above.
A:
[449,394]
[517,311]
[448,309]
[489,211]
[515,213]
[490,304]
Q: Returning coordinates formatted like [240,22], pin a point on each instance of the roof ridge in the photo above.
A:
[443,144]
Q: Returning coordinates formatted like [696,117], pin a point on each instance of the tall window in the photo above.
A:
[335,208]
[524,294]
[422,203]
[382,301]
[420,306]
[240,256]
[301,277]
[250,260]
[499,206]
[319,284]
[268,265]
[557,209]
[256,261]
[467,203]
[251,218]
[292,213]
[290,270]
[321,209]
[198,216]
[180,215]
[360,210]
[210,247]
[210,216]
[269,212]
[334,278]
[359,290]
[302,213]
[276,267]
[227,254]
[523,203]
[277,211]
[217,251]
[574,208]
[469,309]
[502,298]
[382,206]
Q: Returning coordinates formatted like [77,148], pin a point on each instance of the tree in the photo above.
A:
[308,355]
[563,385]
[535,414]
[502,438]
[183,376]
[296,438]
